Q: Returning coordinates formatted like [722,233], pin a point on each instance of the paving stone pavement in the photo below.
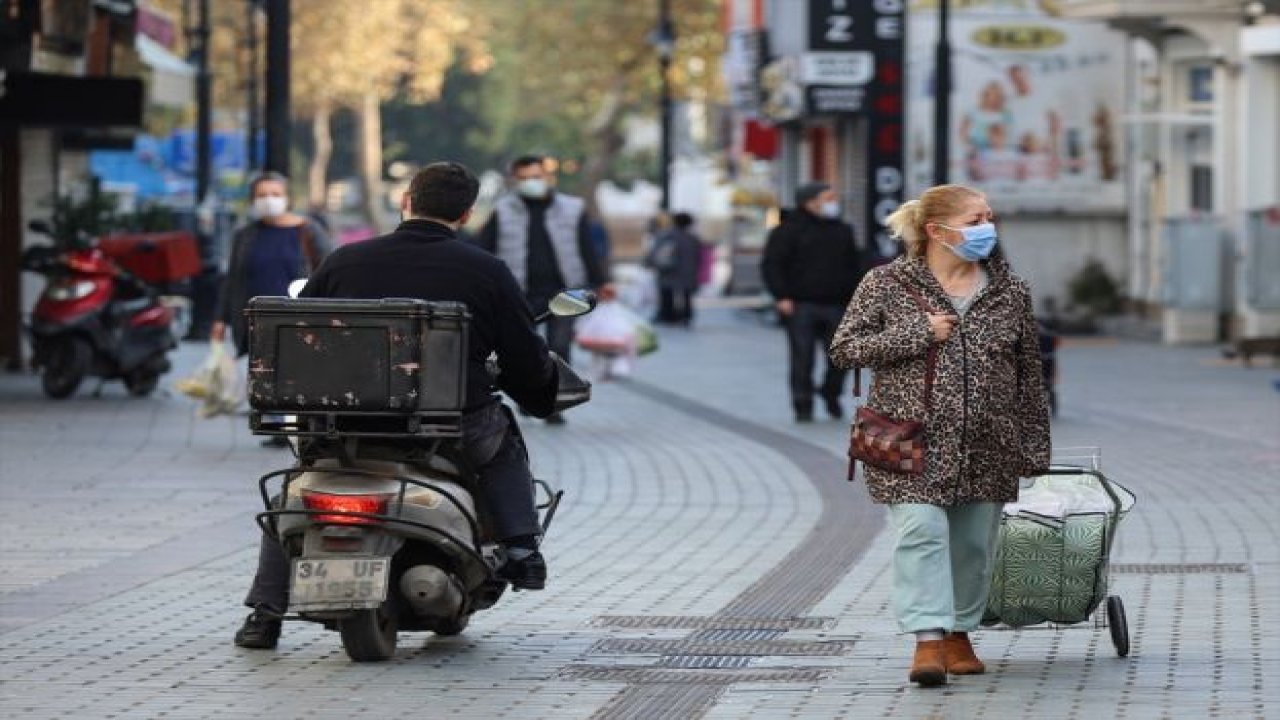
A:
[670,517]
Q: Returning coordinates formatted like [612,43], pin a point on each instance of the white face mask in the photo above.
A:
[532,187]
[830,209]
[270,206]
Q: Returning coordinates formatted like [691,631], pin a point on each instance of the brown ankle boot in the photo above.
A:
[929,668]
[959,655]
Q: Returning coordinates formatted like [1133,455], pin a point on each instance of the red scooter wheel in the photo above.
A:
[65,366]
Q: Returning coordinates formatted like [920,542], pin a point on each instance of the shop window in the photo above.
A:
[1200,85]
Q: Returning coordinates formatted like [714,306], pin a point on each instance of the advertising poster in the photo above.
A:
[1035,105]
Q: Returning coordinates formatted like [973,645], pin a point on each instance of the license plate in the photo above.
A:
[338,583]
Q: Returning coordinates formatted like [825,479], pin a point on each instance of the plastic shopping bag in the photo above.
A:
[216,383]
[610,330]
[646,338]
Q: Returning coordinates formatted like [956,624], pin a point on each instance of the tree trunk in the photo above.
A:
[606,133]
[318,173]
[369,161]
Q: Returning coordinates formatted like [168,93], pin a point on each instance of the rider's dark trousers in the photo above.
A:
[493,445]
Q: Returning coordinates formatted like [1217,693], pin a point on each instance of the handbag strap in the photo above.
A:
[931,359]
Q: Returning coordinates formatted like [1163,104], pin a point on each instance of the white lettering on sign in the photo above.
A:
[889,7]
[837,67]
[839,5]
[887,245]
[888,180]
[839,29]
[885,208]
[888,28]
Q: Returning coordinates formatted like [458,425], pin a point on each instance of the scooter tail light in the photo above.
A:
[80,264]
[374,504]
[156,315]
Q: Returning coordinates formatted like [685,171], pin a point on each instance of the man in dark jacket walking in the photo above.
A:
[811,267]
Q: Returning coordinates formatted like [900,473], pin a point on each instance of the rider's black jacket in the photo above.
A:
[425,260]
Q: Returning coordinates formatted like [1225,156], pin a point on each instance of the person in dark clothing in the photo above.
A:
[424,259]
[675,257]
[811,266]
[544,237]
[267,254]
[274,249]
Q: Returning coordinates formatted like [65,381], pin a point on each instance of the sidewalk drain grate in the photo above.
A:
[1180,568]
[737,635]
[703,622]
[687,676]
[706,661]
[700,646]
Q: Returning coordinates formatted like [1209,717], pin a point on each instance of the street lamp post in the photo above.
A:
[942,97]
[198,39]
[663,39]
[253,118]
[277,85]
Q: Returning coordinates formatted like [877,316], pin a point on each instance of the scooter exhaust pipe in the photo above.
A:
[431,592]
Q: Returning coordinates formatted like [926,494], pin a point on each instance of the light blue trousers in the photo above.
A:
[942,564]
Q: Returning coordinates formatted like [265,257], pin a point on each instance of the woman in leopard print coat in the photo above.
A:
[988,424]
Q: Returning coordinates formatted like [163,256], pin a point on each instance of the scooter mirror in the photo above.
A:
[295,287]
[571,303]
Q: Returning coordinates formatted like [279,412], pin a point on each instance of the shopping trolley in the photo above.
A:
[1053,553]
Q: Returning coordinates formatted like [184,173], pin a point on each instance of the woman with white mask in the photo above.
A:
[274,248]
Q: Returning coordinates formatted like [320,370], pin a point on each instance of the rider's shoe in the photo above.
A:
[260,631]
[525,569]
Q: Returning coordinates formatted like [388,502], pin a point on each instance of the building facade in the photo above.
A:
[1203,119]
[861,116]
[75,75]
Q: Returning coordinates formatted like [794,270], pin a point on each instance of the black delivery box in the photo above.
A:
[371,367]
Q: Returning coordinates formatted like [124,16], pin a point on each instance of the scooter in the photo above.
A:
[94,318]
[383,541]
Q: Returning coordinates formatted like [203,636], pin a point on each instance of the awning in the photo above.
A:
[172,78]
[35,99]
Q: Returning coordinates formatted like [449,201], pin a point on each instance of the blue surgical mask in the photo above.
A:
[978,242]
[532,188]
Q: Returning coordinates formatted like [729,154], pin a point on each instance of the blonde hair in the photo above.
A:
[936,203]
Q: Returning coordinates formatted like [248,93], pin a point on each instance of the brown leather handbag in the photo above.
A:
[881,441]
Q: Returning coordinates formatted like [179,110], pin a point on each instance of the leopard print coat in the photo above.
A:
[989,424]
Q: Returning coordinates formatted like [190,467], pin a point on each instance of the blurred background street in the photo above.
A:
[710,560]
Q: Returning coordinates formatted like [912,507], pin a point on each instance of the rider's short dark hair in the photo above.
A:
[526,161]
[682,219]
[267,176]
[443,190]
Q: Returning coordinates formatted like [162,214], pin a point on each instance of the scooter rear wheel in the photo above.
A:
[65,366]
[452,627]
[370,635]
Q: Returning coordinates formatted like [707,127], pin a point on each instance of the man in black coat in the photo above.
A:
[811,266]
[424,259]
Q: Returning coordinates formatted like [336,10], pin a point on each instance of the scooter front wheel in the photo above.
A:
[65,366]
[141,383]
[370,635]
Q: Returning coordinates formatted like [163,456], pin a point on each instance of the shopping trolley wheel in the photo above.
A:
[1118,624]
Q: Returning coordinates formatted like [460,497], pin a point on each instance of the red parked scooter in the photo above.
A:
[94,318]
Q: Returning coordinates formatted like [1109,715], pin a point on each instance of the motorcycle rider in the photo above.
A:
[424,259]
